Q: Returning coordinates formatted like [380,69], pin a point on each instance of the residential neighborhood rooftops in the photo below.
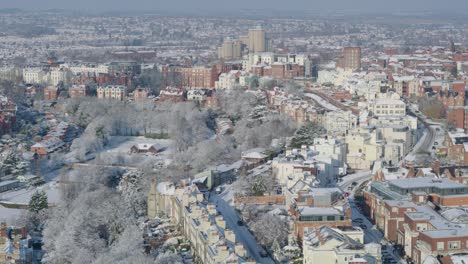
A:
[426,183]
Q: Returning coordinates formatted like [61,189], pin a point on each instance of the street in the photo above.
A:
[372,234]
[243,235]
[358,177]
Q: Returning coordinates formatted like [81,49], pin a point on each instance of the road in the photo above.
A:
[243,235]
[423,151]
[371,233]
[358,177]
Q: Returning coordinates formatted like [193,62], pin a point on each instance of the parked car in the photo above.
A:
[263,253]
[240,223]
[363,226]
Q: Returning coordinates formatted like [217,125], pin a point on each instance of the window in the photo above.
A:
[330,218]
[454,244]
[440,246]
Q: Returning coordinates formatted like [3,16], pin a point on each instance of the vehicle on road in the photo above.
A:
[240,223]
[354,184]
[363,226]
[218,190]
[263,253]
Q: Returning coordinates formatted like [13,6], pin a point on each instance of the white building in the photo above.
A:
[89,68]
[387,107]
[34,75]
[117,92]
[339,122]
[228,80]
[325,245]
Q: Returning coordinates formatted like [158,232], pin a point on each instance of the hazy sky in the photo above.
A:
[384,6]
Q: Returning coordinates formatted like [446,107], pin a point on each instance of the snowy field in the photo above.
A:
[9,216]
[22,197]
[118,152]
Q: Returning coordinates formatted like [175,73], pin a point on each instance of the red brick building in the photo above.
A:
[51,93]
[78,91]
[351,59]
[190,77]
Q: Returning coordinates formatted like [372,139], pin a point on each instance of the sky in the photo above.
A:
[187,6]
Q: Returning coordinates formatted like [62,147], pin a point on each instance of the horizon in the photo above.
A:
[210,7]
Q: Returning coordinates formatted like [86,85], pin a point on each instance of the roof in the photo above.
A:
[5,183]
[146,146]
[459,259]
[388,101]
[410,183]
[307,210]
[462,232]
[398,203]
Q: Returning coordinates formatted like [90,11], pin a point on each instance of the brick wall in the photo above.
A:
[275,199]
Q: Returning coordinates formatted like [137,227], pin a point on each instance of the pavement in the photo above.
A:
[243,235]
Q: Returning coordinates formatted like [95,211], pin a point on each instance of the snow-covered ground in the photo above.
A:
[123,144]
[9,215]
[23,196]
[324,103]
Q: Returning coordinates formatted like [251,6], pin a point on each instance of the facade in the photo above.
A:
[383,107]
[78,91]
[51,93]
[339,122]
[257,40]
[115,92]
[228,80]
[140,94]
[363,147]
[34,75]
[351,59]
[230,49]
[457,147]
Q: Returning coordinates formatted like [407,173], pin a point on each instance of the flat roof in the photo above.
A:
[306,210]
[462,232]
[410,183]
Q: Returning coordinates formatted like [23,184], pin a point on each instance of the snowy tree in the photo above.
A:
[168,258]
[263,225]
[306,134]
[38,202]
[12,164]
